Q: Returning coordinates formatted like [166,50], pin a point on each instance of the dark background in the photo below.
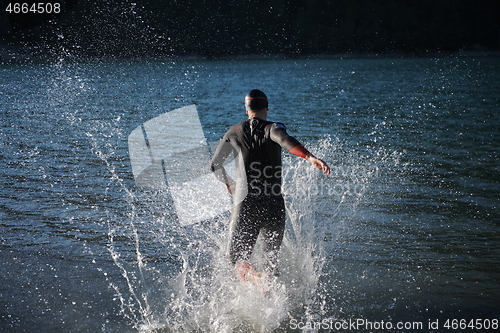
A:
[212,28]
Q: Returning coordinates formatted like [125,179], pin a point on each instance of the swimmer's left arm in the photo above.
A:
[318,164]
[301,151]
[289,143]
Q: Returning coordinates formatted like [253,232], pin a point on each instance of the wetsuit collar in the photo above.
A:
[257,118]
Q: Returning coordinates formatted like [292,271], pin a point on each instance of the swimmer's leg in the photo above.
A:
[272,235]
[243,236]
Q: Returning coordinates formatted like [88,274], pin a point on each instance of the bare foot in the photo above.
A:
[247,272]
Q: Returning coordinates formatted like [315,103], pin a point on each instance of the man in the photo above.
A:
[258,205]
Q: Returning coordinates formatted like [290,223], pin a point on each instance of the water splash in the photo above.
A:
[176,277]
[183,283]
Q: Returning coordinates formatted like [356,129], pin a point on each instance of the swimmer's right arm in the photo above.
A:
[231,187]
[217,165]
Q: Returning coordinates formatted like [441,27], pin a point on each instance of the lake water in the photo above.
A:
[404,232]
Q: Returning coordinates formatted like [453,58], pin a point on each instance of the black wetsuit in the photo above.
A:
[258,202]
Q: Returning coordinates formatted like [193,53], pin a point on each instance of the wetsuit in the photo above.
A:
[258,205]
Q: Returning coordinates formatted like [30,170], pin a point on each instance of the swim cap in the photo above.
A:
[256,100]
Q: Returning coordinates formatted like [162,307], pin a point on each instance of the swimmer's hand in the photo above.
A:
[319,164]
[231,187]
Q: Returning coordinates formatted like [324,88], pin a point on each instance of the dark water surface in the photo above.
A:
[406,229]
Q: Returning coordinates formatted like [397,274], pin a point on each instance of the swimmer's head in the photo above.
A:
[256,100]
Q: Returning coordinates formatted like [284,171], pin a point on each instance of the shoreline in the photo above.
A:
[11,54]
